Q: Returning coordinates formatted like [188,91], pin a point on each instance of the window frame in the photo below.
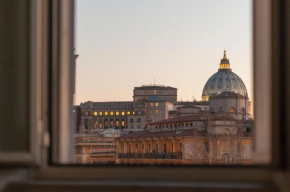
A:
[36,116]
[257,173]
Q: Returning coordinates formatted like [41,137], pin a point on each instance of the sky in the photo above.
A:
[124,44]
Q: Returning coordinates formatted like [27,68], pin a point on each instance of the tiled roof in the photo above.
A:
[188,106]
[191,103]
[178,119]
[155,98]
[190,132]
[190,118]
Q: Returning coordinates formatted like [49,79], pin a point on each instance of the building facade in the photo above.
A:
[196,139]
[96,148]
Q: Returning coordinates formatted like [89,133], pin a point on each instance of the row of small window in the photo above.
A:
[151,148]
[113,113]
[157,149]
[174,125]
[159,92]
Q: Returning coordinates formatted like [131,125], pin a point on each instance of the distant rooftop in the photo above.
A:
[154,86]
[190,118]
[191,103]
[145,134]
[155,98]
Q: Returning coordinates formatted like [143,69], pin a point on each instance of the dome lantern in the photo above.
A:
[225,63]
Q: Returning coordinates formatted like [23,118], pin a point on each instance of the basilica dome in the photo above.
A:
[224,81]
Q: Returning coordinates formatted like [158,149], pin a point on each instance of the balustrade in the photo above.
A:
[176,155]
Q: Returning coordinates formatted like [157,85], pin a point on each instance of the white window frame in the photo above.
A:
[62,146]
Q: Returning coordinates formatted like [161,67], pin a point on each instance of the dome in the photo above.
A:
[224,81]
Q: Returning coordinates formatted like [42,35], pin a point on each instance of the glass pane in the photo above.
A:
[189,64]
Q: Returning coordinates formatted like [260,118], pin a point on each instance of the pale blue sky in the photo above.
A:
[126,43]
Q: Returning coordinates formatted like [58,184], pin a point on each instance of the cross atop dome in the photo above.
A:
[225,55]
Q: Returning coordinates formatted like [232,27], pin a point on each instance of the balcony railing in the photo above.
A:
[176,155]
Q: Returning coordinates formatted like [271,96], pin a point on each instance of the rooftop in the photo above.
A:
[155,98]
[145,134]
[191,103]
[154,86]
[190,118]
[178,119]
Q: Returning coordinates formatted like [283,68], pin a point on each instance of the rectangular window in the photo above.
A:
[156,111]
[156,104]
[86,124]
[206,146]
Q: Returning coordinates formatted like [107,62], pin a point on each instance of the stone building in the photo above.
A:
[96,116]
[124,116]
[96,148]
[196,139]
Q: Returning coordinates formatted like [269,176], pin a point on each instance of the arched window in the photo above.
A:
[131,123]
[128,112]
[138,123]
[111,113]
[243,110]
[95,113]
[232,110]
[117,123]
[123,123]
[101,113]
[106,113]
[226,157]
[123,113]
[124,149]
[164,148]
[117,113]
[111,123]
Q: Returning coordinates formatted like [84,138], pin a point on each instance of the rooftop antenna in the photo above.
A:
[193,98]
